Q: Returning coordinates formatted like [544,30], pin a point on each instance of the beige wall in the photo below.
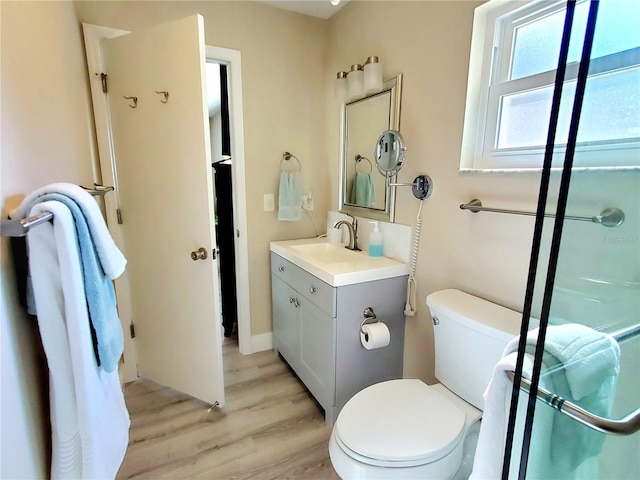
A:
[283,57]
[46,137]
[482,254]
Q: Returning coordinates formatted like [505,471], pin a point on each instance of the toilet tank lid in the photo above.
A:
[475,312]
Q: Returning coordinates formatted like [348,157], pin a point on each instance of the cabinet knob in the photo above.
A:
[291,299]
[281,268]
[312,290]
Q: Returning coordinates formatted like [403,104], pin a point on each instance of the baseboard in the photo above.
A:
[261,342]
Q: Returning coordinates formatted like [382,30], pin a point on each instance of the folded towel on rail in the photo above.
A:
[101,299]
[89,419]
[583,365]
[101,259]
[578,361]
[112,261]
[290,197]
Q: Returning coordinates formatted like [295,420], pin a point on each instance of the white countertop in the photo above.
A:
[335,264]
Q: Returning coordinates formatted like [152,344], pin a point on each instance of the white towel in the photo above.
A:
[489,454]
[577,361]
[112,260]
[89,419]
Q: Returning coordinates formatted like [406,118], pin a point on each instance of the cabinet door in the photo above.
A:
[285,322]
[317,352]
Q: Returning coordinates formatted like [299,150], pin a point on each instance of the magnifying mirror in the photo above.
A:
[390,152]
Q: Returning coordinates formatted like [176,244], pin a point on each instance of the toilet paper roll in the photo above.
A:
[375,335]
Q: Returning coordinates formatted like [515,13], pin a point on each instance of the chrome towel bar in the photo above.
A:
[609,217]
[624,426]
[19,228]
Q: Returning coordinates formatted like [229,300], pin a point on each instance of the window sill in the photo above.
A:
[528,171]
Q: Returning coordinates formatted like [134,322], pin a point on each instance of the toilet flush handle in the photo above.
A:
[436,320]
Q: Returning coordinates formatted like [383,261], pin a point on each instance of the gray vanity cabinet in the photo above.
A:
[316,329]
[304,327]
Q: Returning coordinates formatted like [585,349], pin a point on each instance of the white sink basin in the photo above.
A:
[335,264]
[326,252]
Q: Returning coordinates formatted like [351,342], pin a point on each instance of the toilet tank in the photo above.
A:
[470,335]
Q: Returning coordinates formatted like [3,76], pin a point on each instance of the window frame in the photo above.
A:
[493,41]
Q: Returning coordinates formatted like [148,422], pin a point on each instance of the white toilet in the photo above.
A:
[405,429]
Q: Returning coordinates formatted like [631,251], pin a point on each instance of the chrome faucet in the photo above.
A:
[353,232]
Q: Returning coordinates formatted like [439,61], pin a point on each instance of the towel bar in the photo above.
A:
[19,228]
[624,426]
[609,217]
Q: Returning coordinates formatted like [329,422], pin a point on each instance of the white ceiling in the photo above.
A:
[315,8]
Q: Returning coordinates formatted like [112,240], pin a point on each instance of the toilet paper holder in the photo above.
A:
[369,317]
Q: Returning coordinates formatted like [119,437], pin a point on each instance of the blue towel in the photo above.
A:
[362,192]
[290,197]
[101,299]
[583,366]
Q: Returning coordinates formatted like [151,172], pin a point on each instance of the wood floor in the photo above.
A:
[269,428]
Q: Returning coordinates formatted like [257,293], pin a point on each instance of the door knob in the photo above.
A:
[200,254]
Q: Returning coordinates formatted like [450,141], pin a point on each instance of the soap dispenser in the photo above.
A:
[375,241]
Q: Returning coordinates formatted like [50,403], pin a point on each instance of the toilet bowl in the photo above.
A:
[405,429]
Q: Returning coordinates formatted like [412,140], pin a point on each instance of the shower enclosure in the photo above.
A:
[584,278]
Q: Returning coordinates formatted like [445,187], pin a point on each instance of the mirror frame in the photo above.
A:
[394,86]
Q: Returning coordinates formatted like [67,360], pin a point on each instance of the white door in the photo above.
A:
[163,168]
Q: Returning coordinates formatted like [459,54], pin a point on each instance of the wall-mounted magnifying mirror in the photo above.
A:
[390,153]
[363,190]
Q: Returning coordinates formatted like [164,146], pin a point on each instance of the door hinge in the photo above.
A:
[119,215]
[132,330]
[103,79]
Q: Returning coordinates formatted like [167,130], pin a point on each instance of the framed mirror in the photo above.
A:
[363,190]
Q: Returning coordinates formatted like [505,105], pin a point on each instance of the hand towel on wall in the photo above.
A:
[362,192]
[89,418]
[580,365]
[290,197]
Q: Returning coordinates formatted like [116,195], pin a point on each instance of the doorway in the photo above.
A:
[221,163]
[234,233]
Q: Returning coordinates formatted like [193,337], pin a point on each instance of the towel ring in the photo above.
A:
[359,159]
[286,157]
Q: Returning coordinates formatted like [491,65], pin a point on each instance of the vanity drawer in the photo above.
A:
[283,269]
[321,294]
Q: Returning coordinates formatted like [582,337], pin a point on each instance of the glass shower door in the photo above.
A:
[587,292]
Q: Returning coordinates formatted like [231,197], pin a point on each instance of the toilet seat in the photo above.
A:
[399,423]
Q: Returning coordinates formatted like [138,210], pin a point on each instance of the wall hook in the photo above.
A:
[165,94]
[135,101]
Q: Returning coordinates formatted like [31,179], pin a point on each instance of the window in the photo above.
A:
[514,55]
